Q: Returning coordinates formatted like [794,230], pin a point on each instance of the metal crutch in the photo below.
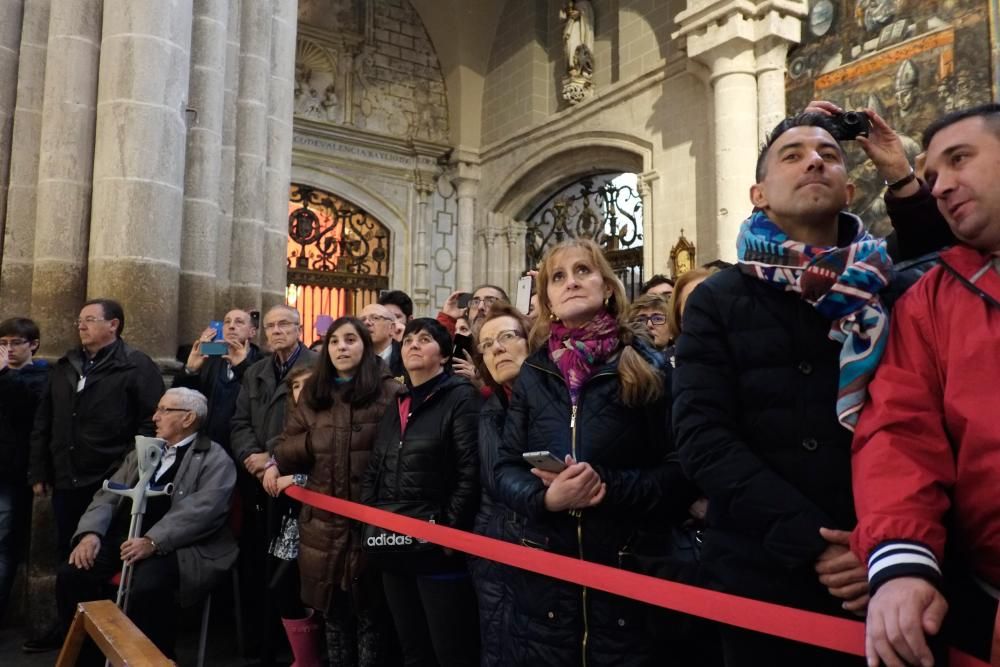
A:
[148,451]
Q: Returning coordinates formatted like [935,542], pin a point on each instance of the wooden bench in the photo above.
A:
[115,634]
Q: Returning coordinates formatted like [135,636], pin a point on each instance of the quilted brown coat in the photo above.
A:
[332,447]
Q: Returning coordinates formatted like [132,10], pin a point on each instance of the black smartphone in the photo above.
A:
[463,299]
[462,344]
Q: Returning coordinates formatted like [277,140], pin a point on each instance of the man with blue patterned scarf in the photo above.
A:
[772,369]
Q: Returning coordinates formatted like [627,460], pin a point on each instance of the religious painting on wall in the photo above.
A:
[909,60]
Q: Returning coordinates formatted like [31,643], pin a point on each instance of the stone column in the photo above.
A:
[250,192]
[17,263]
[421,256]
[656,239]
[227,176]
[281,99]
[202,169]
[722,35]
[11,13]
[65,170]
[135,251]
[516,231]
[771,54]
[466,179]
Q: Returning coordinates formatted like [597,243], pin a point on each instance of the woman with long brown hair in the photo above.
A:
[329,437]
[594,395]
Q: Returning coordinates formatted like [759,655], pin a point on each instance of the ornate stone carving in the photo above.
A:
[578,48]
[318,94]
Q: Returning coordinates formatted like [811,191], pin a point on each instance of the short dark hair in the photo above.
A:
[655,281]
[398,298]
[364,389]
[493,287]
[435,329]
[112,311]
[20,326]
[806,119]
[990,113]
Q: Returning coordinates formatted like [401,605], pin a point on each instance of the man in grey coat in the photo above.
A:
[185,543]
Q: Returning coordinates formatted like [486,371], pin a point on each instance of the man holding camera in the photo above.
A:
[218,376]
[772,368]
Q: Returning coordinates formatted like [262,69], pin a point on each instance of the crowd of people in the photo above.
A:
[810,426]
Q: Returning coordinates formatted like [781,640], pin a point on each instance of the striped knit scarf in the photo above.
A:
[841,283]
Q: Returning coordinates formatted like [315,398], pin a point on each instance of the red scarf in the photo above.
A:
[578,352]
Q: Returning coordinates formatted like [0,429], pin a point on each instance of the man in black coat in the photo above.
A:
[219,377]
[758,381]
[100,396]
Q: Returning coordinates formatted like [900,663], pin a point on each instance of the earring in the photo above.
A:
[552,316]
[606,300]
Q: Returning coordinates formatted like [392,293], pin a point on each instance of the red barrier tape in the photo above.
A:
[829,632]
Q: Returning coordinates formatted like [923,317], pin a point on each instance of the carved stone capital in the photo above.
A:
[716,32]
[465,177]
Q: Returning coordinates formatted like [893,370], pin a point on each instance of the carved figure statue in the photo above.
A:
[578,37]
[906,81]
[874,15]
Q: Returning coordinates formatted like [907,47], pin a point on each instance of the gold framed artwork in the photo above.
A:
[682,257]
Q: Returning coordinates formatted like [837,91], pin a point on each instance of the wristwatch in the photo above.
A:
[904,181]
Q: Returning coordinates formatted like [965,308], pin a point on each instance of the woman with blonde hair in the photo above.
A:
[682,290]
[593,395]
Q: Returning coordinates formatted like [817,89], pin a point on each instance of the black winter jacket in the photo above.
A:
[631,450]
[80,437]
[498,521]
[20,392]
[213,380]
[754,395]
[435,463]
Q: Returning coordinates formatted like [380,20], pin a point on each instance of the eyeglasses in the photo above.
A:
[483,300]
[282,324]
[88,320]
[160,410]
[375,318]
[655,319]
[505,338]
[13,342]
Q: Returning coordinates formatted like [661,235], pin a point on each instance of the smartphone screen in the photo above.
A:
[213,349]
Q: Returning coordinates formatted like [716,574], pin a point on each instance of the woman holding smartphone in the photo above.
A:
[502,347]
[594,393]
[329,437]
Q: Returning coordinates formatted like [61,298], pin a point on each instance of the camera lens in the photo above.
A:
[851,118]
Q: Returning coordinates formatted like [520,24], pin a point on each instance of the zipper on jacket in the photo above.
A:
[577,513]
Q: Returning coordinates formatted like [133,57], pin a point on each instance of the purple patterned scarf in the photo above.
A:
[577,352]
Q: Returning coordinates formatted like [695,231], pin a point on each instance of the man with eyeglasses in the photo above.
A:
[482,299]
[100,395]
[381,323]
[185,544]
[220,378]
[22,381]
[257,425]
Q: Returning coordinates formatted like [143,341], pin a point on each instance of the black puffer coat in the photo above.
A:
[754,395]
[498,521]
[436,462]
[630,448]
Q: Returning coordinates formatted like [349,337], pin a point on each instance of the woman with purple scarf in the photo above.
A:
[595,394]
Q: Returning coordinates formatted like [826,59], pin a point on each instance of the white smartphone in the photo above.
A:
[523,300]
[545,460]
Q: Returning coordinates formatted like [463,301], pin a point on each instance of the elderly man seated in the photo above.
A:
[185,542]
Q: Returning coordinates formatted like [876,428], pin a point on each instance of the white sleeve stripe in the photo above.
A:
[908,547]
[902,559]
